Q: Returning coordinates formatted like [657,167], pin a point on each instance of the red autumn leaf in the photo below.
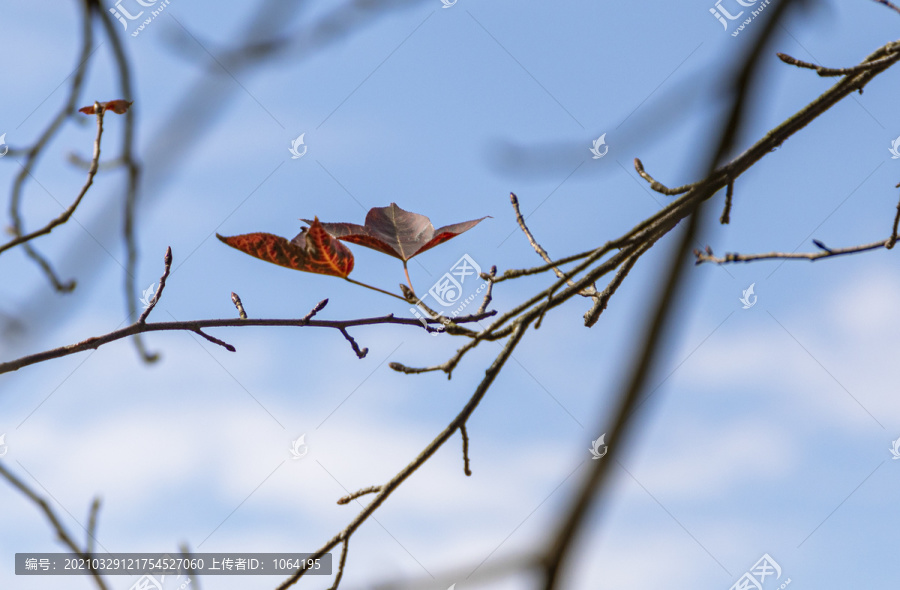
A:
[118,106]
[396,232]
[313,250]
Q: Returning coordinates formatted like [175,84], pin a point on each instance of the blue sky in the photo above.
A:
[768,430]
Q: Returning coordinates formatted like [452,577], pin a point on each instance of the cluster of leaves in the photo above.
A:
[318,248]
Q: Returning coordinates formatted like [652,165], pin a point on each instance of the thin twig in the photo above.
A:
[488,294]
[341,563]
[360,352]
[162,285]
[602,300]
[350,497]
[658,186]
[521,272]
[193,325]
[92,525]
[514,200]
[893,239]
[61,532]
[890,5]
[450,364]
[408,280]
[830,72]
[826,252]
[465,441]
[215,340]
[64,217]
[726,212]
[401,368]
[367,286]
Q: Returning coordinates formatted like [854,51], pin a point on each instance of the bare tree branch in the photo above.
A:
[129,161]
[196,325]
[37,149]
[575,518]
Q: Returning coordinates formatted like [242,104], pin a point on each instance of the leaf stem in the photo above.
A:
[374,288]
[408,281]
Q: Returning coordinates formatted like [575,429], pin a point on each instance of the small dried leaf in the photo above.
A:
[117,106]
